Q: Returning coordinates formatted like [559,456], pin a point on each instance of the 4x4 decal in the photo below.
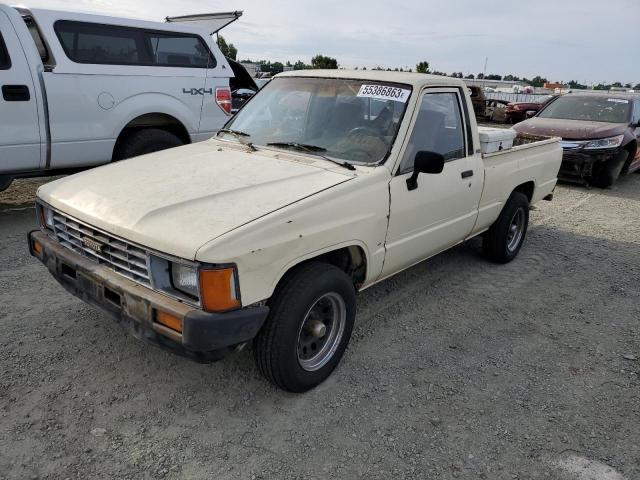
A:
[198,91]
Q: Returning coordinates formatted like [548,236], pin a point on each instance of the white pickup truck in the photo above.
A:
[80,90]
[324,184]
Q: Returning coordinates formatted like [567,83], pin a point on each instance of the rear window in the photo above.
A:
[5,61]
[113,45]
[596,109]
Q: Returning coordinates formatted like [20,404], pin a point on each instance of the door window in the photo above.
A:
[5,61]
[439,128]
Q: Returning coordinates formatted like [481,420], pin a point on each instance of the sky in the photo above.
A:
[590,41]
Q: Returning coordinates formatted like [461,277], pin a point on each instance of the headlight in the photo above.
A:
[46,217]
[185,279]
[611,142]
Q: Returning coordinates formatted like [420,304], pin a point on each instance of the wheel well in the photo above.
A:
[527,189]
[351,260]
[153,120]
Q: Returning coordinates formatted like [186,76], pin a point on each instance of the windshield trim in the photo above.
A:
[392,144]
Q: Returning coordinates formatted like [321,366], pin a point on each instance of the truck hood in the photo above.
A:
[177,200]
[570,129]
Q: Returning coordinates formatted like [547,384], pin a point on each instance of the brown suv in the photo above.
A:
[600,135]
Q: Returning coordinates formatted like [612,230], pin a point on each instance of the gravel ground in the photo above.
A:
[458,368]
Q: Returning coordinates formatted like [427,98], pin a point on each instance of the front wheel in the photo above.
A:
[609,172]
[502,242]
[5,182]
[308,328]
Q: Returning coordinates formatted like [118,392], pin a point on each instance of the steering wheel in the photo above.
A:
[365,131]
[357,154]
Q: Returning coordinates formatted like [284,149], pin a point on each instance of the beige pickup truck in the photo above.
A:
[325,183]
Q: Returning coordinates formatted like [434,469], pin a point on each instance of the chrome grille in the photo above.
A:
[117,254]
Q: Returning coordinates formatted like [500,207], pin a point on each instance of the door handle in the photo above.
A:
[16,93]
[467,174]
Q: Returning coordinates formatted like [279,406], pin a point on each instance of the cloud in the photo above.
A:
[573,39]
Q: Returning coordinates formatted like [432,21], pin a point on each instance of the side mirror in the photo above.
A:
[425,162]
[530,113]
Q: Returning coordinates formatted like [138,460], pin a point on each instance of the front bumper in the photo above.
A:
[580,165]
[204,337]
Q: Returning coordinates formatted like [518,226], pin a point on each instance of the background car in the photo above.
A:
[517,111]
[600,135]
[495,110]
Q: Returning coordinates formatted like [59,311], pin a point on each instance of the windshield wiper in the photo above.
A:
[313,149]
[236,133]
[240,136]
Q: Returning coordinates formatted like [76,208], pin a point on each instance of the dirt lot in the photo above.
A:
[458,369]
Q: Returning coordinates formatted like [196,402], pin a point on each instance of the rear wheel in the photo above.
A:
[145,141]
[502,242]
[308,328]
[5,182]
[609,172]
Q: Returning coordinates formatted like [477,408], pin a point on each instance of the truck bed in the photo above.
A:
[531,157]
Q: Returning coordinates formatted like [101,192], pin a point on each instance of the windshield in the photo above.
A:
[351,120]
[597,109]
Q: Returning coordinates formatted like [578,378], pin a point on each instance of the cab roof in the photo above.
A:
[416,80]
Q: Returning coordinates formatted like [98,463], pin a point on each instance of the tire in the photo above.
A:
[5,182]
[609,172]
[502,242]
[289,350]
[145,141]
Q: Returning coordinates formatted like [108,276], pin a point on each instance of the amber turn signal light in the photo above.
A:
[218,290]
[37,247]
[169,321]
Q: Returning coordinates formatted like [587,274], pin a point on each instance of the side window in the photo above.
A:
[439,128]
[102,44]
[180,51]
[113,45]
[5,61]
[636,112]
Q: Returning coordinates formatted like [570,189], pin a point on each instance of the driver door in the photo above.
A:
[443,209]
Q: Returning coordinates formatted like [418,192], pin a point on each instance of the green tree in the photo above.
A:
[422,67]
[322,62]
[471,76]
[538,81]
[227,49]
[637,87]
[300,65]
[576,85]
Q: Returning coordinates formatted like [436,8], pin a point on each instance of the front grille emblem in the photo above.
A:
[91,244]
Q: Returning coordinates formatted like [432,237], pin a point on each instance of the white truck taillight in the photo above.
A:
[223,99]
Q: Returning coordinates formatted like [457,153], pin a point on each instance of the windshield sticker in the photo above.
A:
[617,100]
[382,92]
